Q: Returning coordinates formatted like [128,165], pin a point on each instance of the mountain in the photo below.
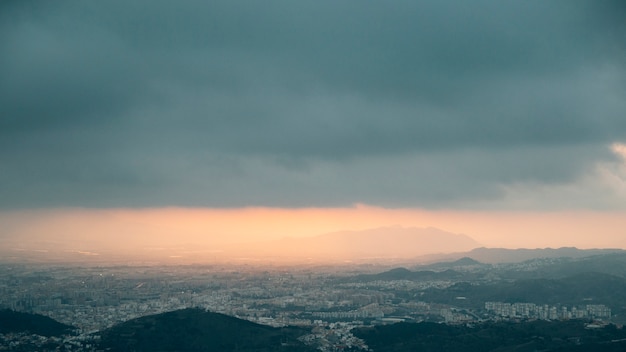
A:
[377,244]
[18,322]
[611,263]
[462,263]
[465,261]
[371,244]
[502,255]
[579,289]
[198,330]
[505,255]
[406,274]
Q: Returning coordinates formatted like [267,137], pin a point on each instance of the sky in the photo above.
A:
[504,120]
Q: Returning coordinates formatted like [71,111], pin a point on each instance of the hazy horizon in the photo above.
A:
[188,237]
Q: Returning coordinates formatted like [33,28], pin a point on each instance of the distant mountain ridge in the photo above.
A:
[395,245]
[464,262]
[383,242]
[406,274]
[513,255]
[505,255]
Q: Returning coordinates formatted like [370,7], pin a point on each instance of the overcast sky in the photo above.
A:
[424,104]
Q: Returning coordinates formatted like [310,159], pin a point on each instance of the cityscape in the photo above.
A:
[330,301]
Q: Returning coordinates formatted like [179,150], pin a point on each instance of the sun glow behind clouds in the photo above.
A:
[619,149]
[613,174]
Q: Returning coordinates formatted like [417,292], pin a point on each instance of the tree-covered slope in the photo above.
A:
[496,337]
[197,330]
[18,322]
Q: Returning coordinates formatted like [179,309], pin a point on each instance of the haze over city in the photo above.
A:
[155,123]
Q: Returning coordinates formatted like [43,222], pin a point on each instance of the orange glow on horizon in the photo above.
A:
[176,226]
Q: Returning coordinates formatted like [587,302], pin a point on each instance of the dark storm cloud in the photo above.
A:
[310,104]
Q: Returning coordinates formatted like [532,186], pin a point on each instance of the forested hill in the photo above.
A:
[501,337]
[198,330]
[18,322]
[596,288]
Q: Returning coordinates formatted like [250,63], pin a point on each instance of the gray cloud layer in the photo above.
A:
[282,103]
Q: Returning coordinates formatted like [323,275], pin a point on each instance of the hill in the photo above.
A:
[18,322]
[461,263]
[583,288]
[406,274]
[612,264]
[198,330]
[504,255]
[501,337]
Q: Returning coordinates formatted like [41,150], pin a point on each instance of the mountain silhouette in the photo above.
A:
[405,274]
[383,242]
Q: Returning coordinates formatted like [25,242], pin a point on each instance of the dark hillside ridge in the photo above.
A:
[195,329]
[612,264]
[583,288]
[501,337]
[18,322]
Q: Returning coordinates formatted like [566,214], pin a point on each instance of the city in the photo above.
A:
[329,300]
